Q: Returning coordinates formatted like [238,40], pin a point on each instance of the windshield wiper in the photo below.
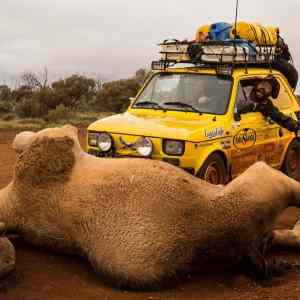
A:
[182,104]
[148,103]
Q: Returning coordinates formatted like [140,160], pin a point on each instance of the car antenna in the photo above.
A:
[236,18]
[237,6]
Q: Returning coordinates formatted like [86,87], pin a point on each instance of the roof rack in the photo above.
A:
[228,53]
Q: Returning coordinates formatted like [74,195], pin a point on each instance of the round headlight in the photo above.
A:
[105,142]
[144,146]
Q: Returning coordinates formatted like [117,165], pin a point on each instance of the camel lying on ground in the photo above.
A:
[142,224]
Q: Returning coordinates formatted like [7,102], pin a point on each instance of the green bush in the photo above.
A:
[5,107]
[114,96]
[36,99]
[59,113]
[30,108]
[85,104]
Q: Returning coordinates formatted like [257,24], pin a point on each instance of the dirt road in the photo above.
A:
[42,275]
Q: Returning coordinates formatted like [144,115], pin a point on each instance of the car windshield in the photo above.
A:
[186,92]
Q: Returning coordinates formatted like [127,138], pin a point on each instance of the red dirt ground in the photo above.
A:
[43,275]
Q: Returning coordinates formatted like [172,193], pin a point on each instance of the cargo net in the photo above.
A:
[230,52]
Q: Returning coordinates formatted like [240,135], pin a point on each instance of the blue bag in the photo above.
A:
[220,31]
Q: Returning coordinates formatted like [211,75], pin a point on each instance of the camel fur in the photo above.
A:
[142,224]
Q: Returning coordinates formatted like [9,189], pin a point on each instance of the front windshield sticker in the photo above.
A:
[216,132]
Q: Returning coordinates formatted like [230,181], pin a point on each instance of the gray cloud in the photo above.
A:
[114,37]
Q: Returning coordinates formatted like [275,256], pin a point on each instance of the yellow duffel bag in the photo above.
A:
[202,33]
[256,33]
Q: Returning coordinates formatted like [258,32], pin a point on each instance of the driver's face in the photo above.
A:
[263,90]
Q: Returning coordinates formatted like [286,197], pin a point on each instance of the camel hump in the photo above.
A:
[46,160]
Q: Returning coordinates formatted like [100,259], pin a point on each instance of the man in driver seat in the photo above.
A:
[260,97]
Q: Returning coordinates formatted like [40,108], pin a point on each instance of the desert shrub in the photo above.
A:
[30,108]
[21,93]
[115,95]
[59,113]
[47,98]
[35,98]
[5,93]
[6,107]
[71,90]
[85,104]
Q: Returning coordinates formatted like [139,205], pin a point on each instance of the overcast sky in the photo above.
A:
[114,38]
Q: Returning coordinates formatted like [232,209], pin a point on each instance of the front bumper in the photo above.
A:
[173,161]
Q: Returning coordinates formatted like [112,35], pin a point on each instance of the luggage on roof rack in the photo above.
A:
[215,52]
[256,33]
[251,32]
[175,50]
[222,45]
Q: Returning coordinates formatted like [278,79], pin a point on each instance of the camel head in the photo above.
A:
[46,155]
[24,139]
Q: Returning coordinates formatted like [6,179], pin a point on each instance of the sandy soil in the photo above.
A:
[43,275]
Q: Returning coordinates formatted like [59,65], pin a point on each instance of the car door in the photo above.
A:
[288,105]
[255,138]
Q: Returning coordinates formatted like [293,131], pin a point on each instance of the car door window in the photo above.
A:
[243,103]
[283,101]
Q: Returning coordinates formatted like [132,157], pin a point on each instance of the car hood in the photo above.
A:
[163,126]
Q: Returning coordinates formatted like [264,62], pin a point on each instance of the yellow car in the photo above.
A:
[190,117]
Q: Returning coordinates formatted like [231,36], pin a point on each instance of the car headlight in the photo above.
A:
[172,147]
[93,139]
[144,146]
[105,142]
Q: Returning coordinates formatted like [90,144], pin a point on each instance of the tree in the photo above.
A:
[115,95]
[5,93]
[21,93]
[141,75]
[69,91]
[35,81]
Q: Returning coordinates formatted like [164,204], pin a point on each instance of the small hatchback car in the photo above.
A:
[191,117]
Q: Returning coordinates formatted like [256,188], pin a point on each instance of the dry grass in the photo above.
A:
[82,119]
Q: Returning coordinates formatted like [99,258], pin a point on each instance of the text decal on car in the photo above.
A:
[245,138]
[216,132]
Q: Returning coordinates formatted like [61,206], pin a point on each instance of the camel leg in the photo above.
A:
[288,238]
[2,228]
[274,191]
[267,192]
[268,189]
[7,257]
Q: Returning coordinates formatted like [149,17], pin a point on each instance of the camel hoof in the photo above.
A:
[7,257]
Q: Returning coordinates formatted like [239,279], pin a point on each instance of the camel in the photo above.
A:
[142,224]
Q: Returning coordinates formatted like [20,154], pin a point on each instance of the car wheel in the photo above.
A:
[214,170]
[288,70]
[291,164]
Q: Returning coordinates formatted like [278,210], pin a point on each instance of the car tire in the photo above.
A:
[214,170]
[288,70]
[291,164]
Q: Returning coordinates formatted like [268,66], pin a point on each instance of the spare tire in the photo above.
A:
[288,70]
